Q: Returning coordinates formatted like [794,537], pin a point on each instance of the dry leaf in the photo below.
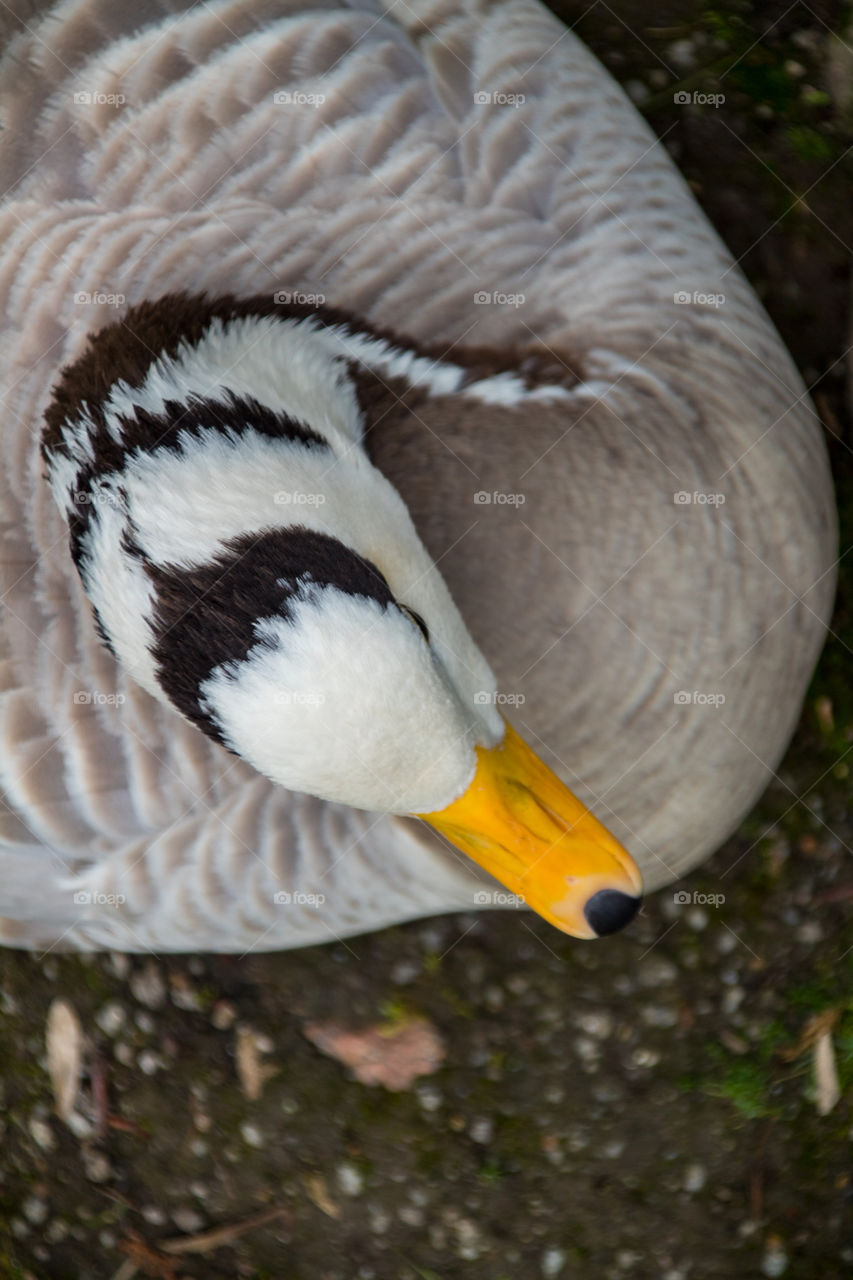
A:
[64,1039]
[391,1056]
[318,1193]
[251,1072]
[817,1024]
[826,1075]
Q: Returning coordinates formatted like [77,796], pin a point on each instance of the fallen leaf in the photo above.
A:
[391,1055]
[826,1075]
[64,1040]
[251,1072]
[817,1025]
[318,1193]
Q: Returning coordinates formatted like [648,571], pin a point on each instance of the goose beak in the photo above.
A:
[520,823]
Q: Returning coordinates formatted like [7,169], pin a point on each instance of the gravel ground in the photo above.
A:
[647,1107]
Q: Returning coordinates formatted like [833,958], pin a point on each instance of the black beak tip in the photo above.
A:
[610,910]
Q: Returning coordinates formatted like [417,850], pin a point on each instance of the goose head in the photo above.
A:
[249,566]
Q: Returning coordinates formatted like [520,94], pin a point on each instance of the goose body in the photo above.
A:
[302,237]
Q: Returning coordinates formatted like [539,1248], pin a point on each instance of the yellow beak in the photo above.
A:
[520,823]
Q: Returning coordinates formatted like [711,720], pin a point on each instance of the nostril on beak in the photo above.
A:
[610,910]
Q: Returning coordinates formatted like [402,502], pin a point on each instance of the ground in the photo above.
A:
[645,1107]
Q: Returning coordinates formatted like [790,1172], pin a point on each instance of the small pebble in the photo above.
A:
[659,1015]
[120,964]
[429,1097]
[147,986]
[41,1133]
[656,971]
[481,1130]
[149,1062]
[223,1015]
[695,1178]
[775,1260]
[34,1210]
[553,1261]
[350,1179]
[251,1135]
[696,918]
[598,1025]
[645,1057]
[123,1053]
[184,994]
[187,1220]
[110,1018]
[96,1166]
[732,999]
[153,1215]
[586,1049]
[404,972]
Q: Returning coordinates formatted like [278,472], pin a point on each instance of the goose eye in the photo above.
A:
[418,621]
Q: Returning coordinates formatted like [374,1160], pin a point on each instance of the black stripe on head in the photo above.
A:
[206,617]
[181,421]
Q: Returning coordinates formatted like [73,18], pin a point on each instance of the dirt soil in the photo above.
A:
[646,1107]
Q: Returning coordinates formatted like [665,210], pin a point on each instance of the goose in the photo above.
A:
[407,505]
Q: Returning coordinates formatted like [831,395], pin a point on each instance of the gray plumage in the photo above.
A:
[400,197]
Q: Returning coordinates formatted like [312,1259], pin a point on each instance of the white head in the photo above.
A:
[250,566]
